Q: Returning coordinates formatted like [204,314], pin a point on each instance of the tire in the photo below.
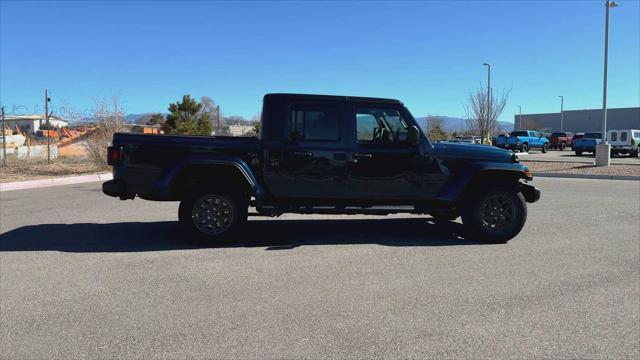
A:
[484,223]
[561,147]
[225,212]
[578,153]
[545,148]
[634,153]
[524,148]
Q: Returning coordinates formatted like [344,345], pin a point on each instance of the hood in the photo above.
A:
[472,152]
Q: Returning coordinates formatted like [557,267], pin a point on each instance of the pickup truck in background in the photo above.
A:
[560,140]
[524,140]
[586,142]
[329,155]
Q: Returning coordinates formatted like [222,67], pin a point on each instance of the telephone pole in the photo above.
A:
[4,140]
[46,117]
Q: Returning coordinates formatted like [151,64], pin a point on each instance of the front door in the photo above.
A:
[383,165]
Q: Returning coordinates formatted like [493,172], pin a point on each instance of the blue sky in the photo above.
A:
[427,54]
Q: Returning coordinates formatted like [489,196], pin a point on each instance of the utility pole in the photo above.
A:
[218,116]
[4,140]
[561,112]
[46,117]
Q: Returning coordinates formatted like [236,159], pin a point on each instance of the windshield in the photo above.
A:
[558,135]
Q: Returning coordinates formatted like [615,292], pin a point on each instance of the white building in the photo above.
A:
[32,123]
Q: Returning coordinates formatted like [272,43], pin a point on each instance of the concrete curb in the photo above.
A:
[34,184]
[587,176]
[575,162]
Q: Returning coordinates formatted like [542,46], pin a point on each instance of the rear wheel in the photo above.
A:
[561,147]
[495,216]
[212,216]
[578,153]
[524,148]
[634,153]
[545,148]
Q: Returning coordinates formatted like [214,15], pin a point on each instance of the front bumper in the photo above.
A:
[531,193]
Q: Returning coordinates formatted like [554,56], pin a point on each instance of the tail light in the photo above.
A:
[114,155]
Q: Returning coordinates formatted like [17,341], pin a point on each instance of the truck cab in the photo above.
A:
[324,154]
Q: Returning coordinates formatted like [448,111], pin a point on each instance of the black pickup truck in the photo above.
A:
[324,154]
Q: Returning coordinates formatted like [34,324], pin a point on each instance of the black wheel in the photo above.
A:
[578,153]
[495,216]
[561,147]
[212,216]
[524,148]
[545,148]
[634,153]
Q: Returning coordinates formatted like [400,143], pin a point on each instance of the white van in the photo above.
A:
[624,141]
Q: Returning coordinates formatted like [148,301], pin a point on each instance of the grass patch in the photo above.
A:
[32,169]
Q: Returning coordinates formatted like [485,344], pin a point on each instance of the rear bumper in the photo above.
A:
[531,193]
[115,188]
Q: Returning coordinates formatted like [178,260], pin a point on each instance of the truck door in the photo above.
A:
[311,161]
[383,165]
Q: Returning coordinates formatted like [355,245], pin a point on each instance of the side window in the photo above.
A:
[614,136]
[380,126]
[636,135]
[315,123]
[623,136]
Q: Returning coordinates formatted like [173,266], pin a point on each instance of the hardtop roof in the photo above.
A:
[333,98]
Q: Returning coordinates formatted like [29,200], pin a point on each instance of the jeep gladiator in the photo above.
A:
[324,154]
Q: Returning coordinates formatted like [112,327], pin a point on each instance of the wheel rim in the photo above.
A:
[497,213]
[212,214]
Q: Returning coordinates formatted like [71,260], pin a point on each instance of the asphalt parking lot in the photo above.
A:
[84,275]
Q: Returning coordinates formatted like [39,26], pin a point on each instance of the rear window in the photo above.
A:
[558,135]
[614,136]
[315,123]
[593,135]
[623,136]
[519,133]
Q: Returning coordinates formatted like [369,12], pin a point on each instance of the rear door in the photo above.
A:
[383,165]
[311,161]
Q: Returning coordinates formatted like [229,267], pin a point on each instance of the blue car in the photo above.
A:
[586,143]
[526,139]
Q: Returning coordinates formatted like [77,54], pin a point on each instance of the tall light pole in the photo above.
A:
[602,161]
[489,110]
[519,117]
[561,111]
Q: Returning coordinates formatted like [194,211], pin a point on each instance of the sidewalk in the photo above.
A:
[34,184]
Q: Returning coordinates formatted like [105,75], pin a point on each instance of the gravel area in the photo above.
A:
[586,169]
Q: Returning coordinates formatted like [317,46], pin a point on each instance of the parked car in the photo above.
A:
[470,139]
[586,142]
[560,140]
[324,154]
[524,140]
[624,141]
[501,141]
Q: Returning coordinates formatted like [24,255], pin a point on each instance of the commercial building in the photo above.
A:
[580,120]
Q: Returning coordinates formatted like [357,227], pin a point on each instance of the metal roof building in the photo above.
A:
[580,120]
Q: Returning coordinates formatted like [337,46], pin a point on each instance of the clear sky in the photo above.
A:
[428,54]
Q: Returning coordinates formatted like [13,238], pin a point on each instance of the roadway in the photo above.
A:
[83,275]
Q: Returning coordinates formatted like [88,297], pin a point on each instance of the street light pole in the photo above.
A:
[4,140]
[561,111]
[519,117]
[489,110]
[603,160]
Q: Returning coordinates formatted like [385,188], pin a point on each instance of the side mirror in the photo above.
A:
[413,136]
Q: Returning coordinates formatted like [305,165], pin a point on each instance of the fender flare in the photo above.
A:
[166,180]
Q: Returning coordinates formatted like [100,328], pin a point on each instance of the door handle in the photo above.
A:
[362,156]
[303,153]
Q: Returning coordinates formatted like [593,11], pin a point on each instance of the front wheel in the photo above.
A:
[545,148]
[561,147]
[578,153]
[495,216]
[212,216]
[524,148]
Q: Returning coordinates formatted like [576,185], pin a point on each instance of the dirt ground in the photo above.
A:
[32,169]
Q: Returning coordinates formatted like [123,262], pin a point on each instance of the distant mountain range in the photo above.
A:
[459,125]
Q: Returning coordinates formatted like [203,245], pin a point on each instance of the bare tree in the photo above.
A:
[109,119]
[435,128]
[483,111]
